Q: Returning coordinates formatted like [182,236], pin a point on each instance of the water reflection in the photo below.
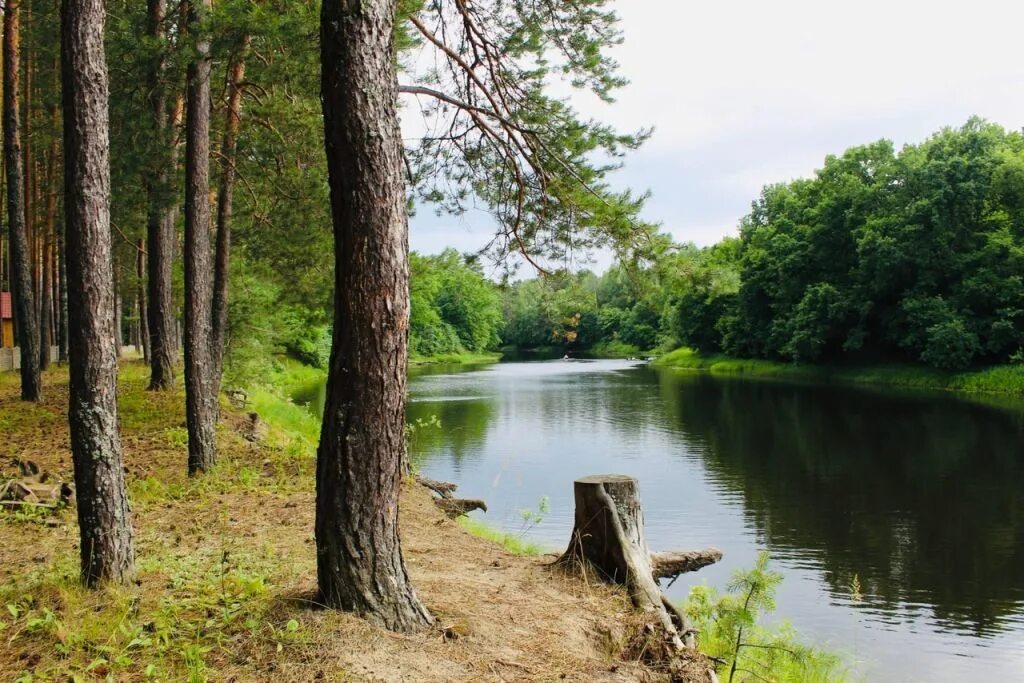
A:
[918,498]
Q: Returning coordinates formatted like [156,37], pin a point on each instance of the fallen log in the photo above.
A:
[456,507]
[27,503]
[668,565]
[441,488]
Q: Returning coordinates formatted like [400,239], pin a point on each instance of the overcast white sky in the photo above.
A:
[744,93]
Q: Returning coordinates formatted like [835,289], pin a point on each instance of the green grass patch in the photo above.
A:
[618,349]
[999,379]
[510,542]
[458,358]
[205,606]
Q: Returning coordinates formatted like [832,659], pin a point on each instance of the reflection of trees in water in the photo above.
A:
[919,497]
[462,428]
[540,405]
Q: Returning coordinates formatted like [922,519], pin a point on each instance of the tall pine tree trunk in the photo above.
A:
[45,307]
[140,296]
[104,517]
[49,232]
[360,567]
[200,367]
[160,219]
[21,260]
[225,198]
[62,296]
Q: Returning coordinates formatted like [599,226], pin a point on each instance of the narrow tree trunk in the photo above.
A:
[62,293]
[44,308]
[21,265]
[360,567]
[225,197]
[200,367]
[104,517]
[160,218]
[26,156]
[49,231]
[140,296]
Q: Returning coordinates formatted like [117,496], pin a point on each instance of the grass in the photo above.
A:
[226,567]
[456,358]
[200,588]
[618,349]
[1000,379]
[511,542]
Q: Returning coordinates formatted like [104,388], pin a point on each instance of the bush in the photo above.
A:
[950,345]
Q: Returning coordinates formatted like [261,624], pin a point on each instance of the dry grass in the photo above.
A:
[226,566]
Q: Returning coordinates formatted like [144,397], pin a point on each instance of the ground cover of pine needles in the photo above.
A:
[225,582]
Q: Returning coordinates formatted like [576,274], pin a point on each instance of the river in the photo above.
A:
[918,499]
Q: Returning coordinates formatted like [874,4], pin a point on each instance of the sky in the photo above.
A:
[742,94]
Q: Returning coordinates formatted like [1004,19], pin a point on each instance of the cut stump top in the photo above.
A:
[606,479]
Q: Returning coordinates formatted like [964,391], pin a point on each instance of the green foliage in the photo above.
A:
[618,313]
[454,307]
[912,256]
[731,632]
[531,518]
[500,140]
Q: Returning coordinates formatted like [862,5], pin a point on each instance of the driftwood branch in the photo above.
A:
[441,488]
[453,507]
[456,507]
[668,565]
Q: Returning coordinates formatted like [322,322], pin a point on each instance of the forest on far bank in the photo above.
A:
[911,256]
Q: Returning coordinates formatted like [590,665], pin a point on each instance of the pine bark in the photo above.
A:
[225,201]
[49,232]
[21,266]
[62,296]
[360,567]
[104,516]
[160,220]
[44,306]
[140,297]
[200,368]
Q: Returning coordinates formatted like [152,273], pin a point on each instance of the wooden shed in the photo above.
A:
[6,321]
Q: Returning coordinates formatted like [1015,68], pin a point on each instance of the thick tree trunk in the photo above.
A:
[160,219]
[360,567]
[104,516]
[21,265]
[200,368]
[225,198]
[608,537]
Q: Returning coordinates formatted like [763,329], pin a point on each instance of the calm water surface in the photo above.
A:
[920,497]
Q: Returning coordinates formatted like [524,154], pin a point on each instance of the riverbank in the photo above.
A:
[226,566]
[463,358]
[1005,380]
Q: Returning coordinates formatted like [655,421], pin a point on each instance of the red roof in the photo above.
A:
[5,305]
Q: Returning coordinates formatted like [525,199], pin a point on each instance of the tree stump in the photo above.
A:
[608,537]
